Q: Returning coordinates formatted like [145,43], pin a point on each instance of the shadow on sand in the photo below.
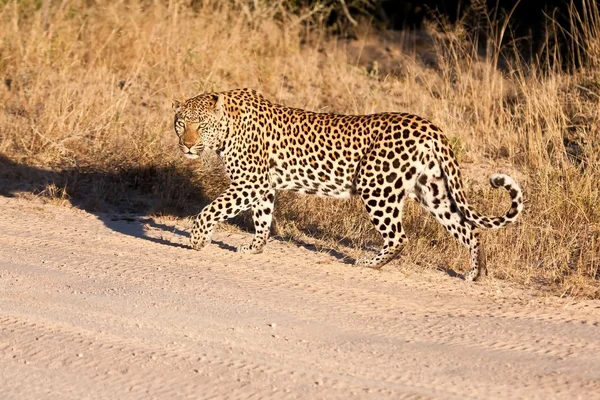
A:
[124,199]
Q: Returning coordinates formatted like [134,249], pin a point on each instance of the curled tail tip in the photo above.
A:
[498,180]
[508,183]
[516,194]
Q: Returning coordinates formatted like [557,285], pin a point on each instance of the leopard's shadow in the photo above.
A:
[324,249]
[124,198]
[450,272]
[149,222]
[240,223]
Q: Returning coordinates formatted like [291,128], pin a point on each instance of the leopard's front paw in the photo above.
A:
[361,262]
[367,262]
[247,248]
[476,274]
[198,242]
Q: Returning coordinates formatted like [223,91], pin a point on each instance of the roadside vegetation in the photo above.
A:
[85,118]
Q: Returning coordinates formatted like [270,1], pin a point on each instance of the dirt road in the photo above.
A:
[98,307]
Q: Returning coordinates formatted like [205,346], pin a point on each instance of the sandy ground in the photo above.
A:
[103,307]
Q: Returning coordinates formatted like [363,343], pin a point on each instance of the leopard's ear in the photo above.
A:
[178,102]
[219,104]
[176,105]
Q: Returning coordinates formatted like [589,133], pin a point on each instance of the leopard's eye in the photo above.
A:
[179,126]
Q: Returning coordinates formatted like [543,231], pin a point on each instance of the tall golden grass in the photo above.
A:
[85,114]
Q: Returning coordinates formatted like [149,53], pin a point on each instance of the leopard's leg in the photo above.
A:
[262,215]
[391,230]
[386,216]
[381,183]
[432,194]
[478,268]
[238,198]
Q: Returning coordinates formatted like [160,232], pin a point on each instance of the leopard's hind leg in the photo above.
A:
[431,192]
[380,182]
[387,220]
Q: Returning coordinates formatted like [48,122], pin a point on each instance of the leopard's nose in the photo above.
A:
[187,144]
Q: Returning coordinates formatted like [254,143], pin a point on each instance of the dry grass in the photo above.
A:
[85,117]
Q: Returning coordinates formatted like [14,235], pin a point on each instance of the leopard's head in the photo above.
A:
[197,123]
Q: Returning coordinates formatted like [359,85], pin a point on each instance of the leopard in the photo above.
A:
[383,158]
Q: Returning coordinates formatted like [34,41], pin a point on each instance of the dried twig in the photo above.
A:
[347,13]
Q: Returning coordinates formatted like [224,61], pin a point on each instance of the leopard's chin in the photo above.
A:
[191,156]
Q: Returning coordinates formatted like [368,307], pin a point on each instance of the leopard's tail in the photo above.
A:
[453,180]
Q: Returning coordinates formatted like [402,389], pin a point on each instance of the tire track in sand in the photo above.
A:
[311,287]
